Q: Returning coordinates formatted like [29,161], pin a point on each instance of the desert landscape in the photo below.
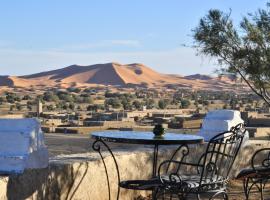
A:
[135,100]
[121,75]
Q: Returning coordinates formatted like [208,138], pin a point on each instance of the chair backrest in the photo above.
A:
[261,159]
[221,151]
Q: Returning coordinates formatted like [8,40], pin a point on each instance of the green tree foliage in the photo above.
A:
[233,103]
[83,98]
[137,104]
[50,97]
[90,90]
[126,104]
[95,107]
[79,107]
[65,106]
[114,102]
[150,103]
[163,103]
[2,100]
[50,107]
[71,106]
[12,107]
[26,97]
[200,101]
[244,51]
[29,107]
[205,102]
[109,94]
[12,97]
[64,96]
[18,106]
[185,103]
[99,97]
[124,98]
[75,90]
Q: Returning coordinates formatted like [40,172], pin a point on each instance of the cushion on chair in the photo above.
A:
[251,173]
[140,184]
[191,182]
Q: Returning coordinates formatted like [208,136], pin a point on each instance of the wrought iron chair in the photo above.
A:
[259,173]
[211,172]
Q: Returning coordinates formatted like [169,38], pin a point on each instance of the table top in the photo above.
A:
[134,137]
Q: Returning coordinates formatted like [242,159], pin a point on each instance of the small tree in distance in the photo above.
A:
[244,51]
[185,103]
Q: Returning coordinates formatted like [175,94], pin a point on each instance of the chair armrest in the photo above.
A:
[265,162]
[174,175]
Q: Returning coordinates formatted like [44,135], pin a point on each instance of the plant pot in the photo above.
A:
[159,130]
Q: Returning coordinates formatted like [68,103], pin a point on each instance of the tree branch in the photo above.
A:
[242,76]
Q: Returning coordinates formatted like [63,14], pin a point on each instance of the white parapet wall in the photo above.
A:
[218,121]
[82,176]
[21,145]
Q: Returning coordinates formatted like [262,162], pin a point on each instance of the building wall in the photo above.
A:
[12,116]
[259,132]
[95,126]
[53,122]
[196,123]
[247,115]
[259,122]
[192,123]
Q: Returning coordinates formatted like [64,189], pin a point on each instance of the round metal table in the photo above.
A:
[145,138]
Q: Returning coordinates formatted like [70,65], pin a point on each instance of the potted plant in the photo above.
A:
[159,130]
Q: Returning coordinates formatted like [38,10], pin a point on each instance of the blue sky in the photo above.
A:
[44,35]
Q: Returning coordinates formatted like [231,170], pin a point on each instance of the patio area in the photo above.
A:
[81,176]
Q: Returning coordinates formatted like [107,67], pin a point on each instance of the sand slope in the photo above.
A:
[114,74]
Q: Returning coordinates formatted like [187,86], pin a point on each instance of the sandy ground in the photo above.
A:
[69,144]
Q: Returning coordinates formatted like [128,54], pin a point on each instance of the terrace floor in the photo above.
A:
[70,144]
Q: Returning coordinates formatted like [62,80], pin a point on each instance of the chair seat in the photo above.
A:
[187,182]
[251,173]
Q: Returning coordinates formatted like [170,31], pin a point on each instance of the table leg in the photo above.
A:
[155,161]
[182,151]
[182,148]
[97,146]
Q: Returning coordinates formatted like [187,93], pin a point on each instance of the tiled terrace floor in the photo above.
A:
[235,193]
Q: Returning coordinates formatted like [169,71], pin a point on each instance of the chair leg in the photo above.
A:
[222,192]
[245,186]
[247,189]
[225,196]
[261,189]
[182,196]
[155,194]
[163,195]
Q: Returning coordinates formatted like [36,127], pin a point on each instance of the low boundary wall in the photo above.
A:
[82,176]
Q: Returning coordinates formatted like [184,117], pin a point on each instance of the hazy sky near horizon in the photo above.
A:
[39,36]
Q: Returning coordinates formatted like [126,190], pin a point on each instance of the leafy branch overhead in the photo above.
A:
[243,50]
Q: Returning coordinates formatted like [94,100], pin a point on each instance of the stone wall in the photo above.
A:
[82,176]
[259,131]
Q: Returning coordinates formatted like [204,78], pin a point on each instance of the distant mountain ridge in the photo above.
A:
[114,74]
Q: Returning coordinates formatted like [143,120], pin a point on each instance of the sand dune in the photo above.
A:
[114,74]
[6,81]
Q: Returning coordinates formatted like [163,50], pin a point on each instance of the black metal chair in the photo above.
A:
[211,172]
[258,174]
